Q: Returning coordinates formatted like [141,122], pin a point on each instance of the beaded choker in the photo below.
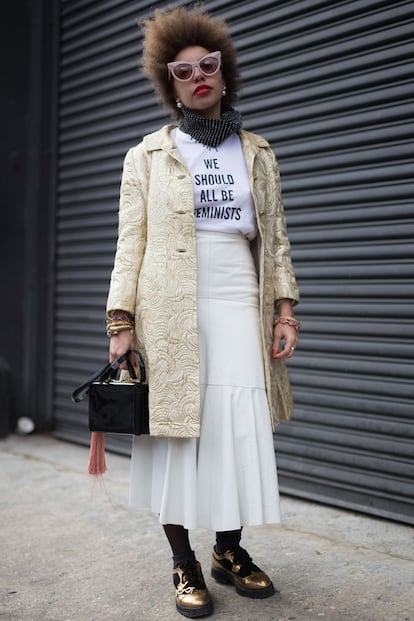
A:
[211,132]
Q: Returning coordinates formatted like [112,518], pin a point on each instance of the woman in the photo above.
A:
[202,266]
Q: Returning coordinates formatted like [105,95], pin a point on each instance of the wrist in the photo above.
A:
[118,321]
[288,321]
[284,307]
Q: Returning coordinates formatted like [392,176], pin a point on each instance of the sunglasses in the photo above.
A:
[183,71]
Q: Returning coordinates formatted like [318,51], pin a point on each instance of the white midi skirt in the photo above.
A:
[227,478]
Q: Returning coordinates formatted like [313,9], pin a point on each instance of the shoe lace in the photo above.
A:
[243,561]
[191,578]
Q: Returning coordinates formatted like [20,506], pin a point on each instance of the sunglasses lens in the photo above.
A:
[209,65]
[183,71]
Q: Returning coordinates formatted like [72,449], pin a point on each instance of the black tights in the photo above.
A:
[180,543]
[178,539]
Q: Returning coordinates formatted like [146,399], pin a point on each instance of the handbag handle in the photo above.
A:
[108,373]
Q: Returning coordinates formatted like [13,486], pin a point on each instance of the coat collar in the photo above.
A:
[162,140]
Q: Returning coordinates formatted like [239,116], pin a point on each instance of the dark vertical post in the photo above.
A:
[39,236]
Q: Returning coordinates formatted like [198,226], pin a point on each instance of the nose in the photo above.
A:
[197,74]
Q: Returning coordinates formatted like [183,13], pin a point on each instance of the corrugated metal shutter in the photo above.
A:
[330,85]
[333,83]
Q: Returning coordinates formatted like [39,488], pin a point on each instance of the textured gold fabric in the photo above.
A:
[155,275]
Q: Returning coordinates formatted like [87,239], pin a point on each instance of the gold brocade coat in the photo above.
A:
[155,275]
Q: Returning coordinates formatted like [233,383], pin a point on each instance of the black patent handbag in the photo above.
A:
[117,406]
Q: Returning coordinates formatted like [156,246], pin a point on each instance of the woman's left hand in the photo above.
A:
[285,336]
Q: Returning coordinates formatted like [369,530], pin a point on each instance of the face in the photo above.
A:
[201,94]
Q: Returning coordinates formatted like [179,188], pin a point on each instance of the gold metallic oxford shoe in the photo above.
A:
[192,598]
[236,567]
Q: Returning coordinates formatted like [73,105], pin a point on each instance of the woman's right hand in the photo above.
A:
[119,344]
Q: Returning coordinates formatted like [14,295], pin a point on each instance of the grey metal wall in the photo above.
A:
[330,85]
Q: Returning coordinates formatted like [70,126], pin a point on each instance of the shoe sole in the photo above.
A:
[223,577]
[193,613]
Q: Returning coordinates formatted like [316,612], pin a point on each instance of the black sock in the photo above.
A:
[179,559]
[227,540]
[180,543]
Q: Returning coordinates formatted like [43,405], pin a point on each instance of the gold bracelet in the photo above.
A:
[118,324]
[289,321]
[119,315]
[115,330]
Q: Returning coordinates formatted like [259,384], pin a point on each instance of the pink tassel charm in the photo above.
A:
[97,464]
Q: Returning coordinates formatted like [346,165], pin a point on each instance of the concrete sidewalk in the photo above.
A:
[71,550]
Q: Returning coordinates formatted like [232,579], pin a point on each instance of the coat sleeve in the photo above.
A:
[132,234]
[284,281]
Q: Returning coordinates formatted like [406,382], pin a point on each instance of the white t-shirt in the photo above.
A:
[222,196]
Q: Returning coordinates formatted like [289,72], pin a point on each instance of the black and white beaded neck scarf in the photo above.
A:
[211,132]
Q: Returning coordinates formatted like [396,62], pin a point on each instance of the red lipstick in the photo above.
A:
[203,89]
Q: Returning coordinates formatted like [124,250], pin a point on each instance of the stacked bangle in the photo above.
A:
[117,321]
[289,321]
[114,330]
